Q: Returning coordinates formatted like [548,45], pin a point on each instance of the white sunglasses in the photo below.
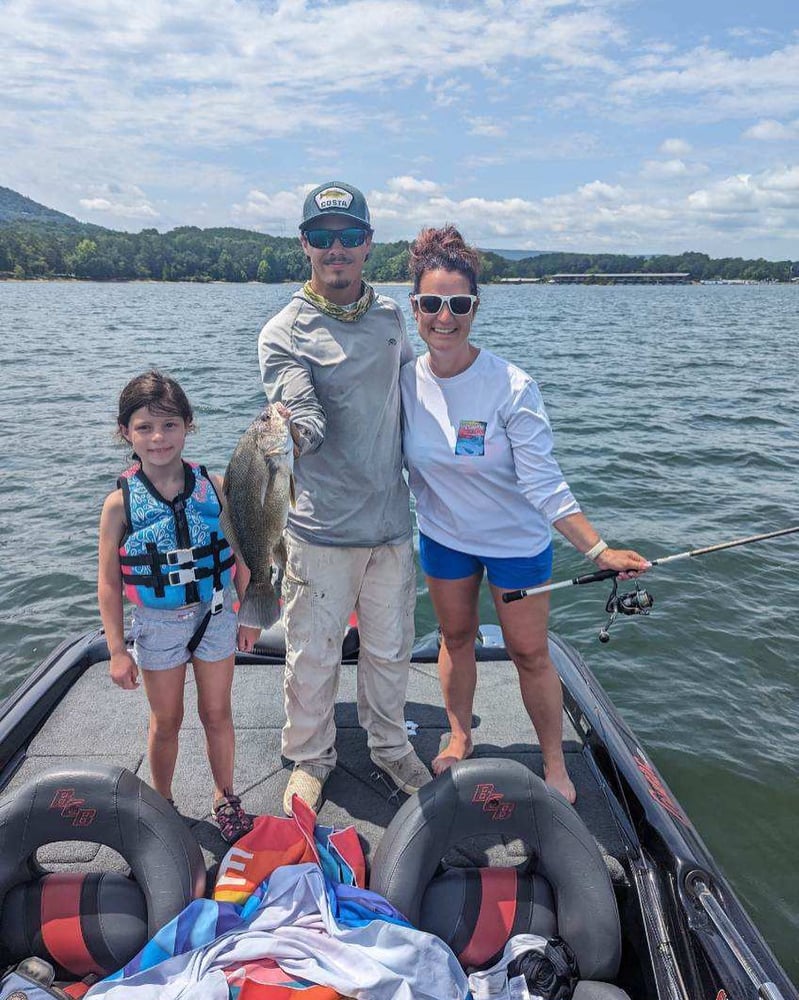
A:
[431,305]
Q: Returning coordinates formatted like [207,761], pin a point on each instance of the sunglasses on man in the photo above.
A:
[458,305]
[323,239]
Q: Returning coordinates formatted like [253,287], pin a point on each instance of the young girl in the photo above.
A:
[161,546]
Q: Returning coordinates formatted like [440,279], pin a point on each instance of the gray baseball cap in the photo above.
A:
[335,198]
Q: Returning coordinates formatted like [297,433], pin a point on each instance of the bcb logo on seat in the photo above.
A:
[70,807]
[492,801]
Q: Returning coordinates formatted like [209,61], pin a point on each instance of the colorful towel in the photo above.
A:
[308,925]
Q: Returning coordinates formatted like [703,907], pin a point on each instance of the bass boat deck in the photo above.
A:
[683,932]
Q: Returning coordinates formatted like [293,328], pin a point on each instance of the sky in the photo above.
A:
[627,126]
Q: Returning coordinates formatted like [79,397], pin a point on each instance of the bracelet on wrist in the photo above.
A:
[596,550]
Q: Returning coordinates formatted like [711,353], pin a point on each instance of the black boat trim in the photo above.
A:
[696,883]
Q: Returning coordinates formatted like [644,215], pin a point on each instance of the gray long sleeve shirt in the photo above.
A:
[341,383]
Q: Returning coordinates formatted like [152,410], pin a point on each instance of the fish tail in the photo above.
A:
[259,607]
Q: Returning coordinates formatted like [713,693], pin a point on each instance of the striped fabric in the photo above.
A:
[242,883]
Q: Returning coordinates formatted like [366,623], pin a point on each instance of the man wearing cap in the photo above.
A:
[332,356]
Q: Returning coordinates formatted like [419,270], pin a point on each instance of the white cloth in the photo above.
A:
[321,586]
[295,927]
[494,984]
[478,447]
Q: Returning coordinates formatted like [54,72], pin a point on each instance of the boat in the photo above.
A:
[679,930]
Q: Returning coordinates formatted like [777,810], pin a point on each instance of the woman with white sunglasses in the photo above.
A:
[478,446]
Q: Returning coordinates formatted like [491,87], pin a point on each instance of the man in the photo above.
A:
[332,356]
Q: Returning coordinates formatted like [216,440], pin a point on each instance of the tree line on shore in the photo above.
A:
[79,250]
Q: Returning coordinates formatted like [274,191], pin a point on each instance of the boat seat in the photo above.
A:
[92,922]
[563,890]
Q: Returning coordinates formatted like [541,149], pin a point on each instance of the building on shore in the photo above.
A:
[623,278]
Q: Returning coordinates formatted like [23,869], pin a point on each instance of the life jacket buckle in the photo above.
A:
[180,557]
[180,577]
[217,601]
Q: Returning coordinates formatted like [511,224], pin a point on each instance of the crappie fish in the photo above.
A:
[258,487]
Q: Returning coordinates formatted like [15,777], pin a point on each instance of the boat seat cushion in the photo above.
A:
[591,989]
[505,799]
[476,910]
[81,922]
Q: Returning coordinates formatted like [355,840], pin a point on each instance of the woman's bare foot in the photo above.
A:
[557,777]
[458,748]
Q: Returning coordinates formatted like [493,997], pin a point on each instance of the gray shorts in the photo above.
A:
[161,635]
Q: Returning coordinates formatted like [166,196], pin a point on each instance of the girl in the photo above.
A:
[478,446]
[161,546]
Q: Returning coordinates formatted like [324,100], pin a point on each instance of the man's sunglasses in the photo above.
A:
[323,239]
[458,305]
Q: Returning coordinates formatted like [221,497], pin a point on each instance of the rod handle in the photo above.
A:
[601,574]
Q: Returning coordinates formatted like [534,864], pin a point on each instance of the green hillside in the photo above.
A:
[38,242]
[15,207]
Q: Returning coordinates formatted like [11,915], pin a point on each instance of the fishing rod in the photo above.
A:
[638,601]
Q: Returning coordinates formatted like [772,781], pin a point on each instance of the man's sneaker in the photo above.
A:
[408,773]
[230,817]
[307,780]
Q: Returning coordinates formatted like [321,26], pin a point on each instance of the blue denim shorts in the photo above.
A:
[513,573]
[161,635]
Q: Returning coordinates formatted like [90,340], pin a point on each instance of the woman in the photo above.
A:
[478,446]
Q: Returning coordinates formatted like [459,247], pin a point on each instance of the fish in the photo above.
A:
[258,488]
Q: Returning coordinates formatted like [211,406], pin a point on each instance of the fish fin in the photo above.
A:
[277,581]
[280,555]
[292,491]
[226,526]
[259,606]
[266,481]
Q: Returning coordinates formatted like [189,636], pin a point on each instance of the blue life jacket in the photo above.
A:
[173,552]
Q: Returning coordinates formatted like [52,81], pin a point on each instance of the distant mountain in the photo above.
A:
[15,207]
[514,254]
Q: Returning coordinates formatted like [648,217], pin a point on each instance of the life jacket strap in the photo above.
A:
[177,577]
[178,557]
[181,557]
[158,582]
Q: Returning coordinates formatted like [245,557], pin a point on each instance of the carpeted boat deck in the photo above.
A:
[97,720]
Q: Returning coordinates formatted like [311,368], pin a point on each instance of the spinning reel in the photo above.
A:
[634,602]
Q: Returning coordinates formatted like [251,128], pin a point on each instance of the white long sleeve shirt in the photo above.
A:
[478,447]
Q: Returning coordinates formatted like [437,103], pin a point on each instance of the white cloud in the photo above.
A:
[672,169]
[599,216]
[512,115]
[411,185]
[773,191]
[769,130]
[720,84]
[278,213]
[126,202]
[488,128]
[674,147]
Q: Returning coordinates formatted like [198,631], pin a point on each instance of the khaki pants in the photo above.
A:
[321,587]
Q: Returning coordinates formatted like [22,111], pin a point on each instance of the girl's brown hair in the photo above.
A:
[446,250]
[159,393]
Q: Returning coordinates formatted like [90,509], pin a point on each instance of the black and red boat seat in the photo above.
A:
[564,889]
[88,922]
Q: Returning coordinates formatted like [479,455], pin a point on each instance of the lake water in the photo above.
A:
[676,411]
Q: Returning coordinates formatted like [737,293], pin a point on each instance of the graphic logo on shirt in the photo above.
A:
[471,438]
